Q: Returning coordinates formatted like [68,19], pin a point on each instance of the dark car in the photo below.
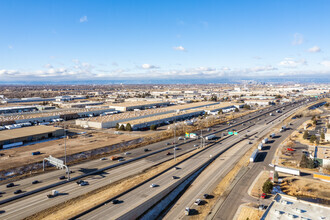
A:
[10,185]
[168,153]
[35,182]
[62,177]
[168,143]
[206,196]
[115,201]
[146,149]
[79,182]
[18,191]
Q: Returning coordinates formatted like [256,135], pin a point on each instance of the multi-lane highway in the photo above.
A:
[39,200]
[144,194]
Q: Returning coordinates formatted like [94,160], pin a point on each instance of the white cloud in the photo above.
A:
[262,68]
[180,48]
[76,61]
[314,49]
[325,63]
[149,66]
[292,63]
[83,19]
[298,39]
[48,66]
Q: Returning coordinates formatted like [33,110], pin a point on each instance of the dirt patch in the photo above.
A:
[84,202]
[298,186]
[249,211]
[257,187]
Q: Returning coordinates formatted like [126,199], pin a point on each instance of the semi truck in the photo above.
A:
[287,170]
[210,137]
[254,155]
[260,146]
[272,135]
[115,157]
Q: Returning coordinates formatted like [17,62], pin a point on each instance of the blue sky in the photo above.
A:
[78,40]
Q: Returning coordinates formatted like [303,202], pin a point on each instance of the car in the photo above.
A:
[180,138]
[195,145]
[261,207]
[175,177]
[115,201]
[121,159]
[187,211]
[79,181]
[198,202]
[127,153]
[10,185]
[206,196]
[263,196]
[271,165]
[153,185]
[35,182]
[176,148]
[62,177]
[168,153]
[146,149]
[250,142]
[168,143]
[103,158]
[177,168]
[69,172]
[18,191]
[84,183]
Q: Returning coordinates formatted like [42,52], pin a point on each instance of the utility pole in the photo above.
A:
[65,136]
[202,138]
[174,145]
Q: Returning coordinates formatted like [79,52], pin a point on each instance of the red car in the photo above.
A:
[263,196]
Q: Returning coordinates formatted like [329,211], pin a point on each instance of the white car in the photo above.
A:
[103,158]
[153,185]
[271,165]
[198,202]
[127,153]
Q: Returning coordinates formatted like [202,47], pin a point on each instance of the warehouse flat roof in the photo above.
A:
[221,105]
[26,131]
[46,113]
[288,207]
[125,115]
[159,117]
[140,103]
[192,105]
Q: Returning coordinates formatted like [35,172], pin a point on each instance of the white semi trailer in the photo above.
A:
[287,170]
[254,155]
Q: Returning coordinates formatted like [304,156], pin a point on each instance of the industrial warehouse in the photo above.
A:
[111,120]
[20,136]
[162,119]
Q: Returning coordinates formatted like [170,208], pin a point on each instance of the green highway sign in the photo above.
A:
[230,132]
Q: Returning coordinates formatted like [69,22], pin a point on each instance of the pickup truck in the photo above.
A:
[53,194]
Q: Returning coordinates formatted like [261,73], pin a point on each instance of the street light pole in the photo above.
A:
[174,138]
[65,145]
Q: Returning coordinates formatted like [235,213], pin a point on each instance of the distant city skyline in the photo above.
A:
[130,40]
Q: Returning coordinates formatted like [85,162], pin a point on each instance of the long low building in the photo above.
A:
[130,106]
[145,123]
[110,121]
[28,134]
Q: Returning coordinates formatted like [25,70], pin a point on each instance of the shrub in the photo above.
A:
[305,135]
[122,128]
[153,127]
[268,186]
[128,127]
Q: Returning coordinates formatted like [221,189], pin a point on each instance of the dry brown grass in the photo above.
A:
[84,202]
[249,212]
[222,187]
[257,188]
[299,186]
